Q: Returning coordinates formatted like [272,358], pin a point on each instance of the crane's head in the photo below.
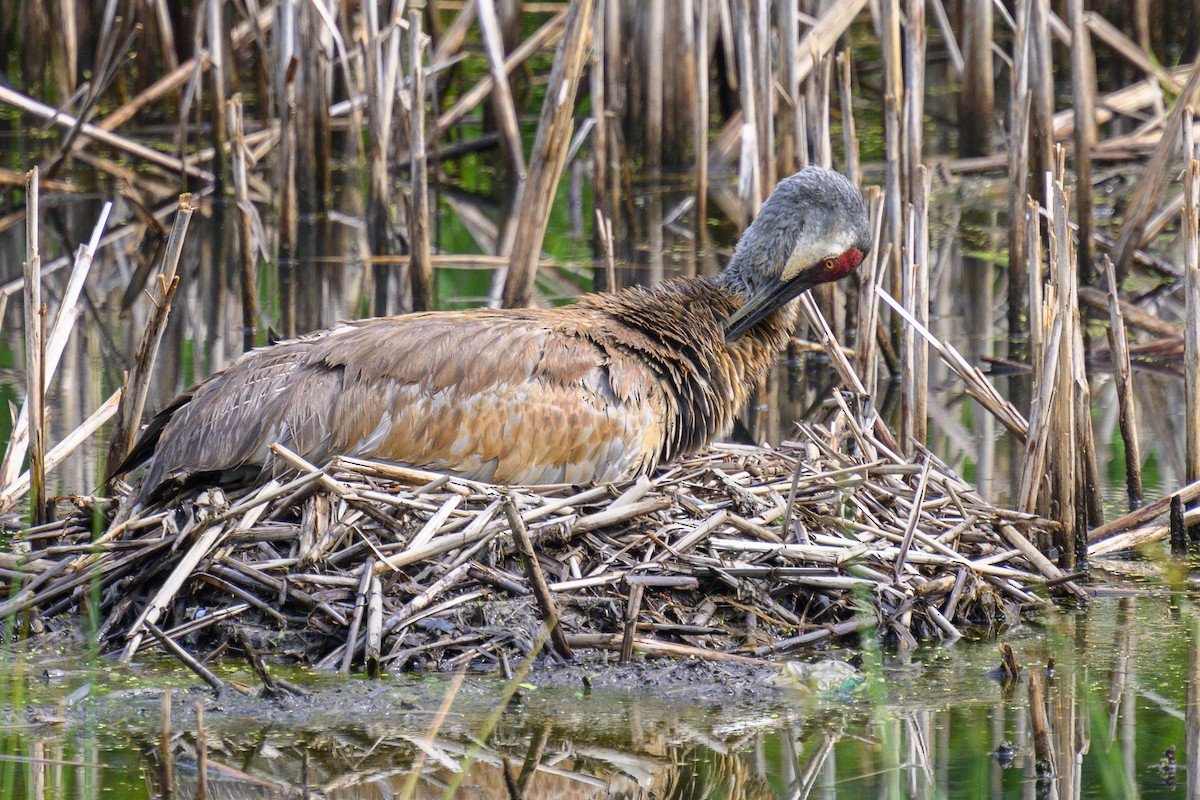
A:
[812,229]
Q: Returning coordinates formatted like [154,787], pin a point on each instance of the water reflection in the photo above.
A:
[1118,689]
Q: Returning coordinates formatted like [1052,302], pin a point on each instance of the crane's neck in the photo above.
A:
[678,328]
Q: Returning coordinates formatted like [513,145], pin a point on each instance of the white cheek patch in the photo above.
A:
[809,250]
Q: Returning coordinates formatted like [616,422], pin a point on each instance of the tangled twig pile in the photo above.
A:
[739,552]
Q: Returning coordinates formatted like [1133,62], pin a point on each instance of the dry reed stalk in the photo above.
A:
[1018,174]
[35,331]
[893,131]
[543,37]
[1122,375]
[1083,80]
[656,22]
[792,133]
[1153,179]
[977,99]
[56,342]
[914,105]
[750,175]
[137,382]
[549,154]
[502,99]
[920,302]
[700,209]
[179,74]
[16,489]
[420,269]
[1041,101]
[869,278]
[977,383]
[1125,47]
[217,56]
[1191,291]
[853,169]
[248,223]
[148,154]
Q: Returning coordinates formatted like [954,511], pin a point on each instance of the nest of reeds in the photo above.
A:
[738,552]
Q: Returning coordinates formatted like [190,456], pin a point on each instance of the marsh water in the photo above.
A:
[931,723]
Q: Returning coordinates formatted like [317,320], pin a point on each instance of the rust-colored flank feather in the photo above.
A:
[599,391]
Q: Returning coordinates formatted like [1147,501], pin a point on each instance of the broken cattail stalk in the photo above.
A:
[1123,376]
[420,270]
[247,219]
[1083,81]
[35,329]
[1191,289]
[1018,169]
[137,382]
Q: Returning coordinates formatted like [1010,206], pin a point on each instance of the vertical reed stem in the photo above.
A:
[1191,289]
[549,154]
[1122,375]
[1083,80]
[35,315]
[700,214]
[420,269]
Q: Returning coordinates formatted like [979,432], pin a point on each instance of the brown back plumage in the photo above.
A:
[599,391]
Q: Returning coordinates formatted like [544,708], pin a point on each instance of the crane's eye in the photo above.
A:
[830,264]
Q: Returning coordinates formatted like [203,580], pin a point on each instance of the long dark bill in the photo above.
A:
[768,299]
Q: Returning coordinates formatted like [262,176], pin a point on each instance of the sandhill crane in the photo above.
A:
[602,390]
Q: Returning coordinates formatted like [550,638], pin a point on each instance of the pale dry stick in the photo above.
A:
[920,375]
[35,331]
[420,270]
[171,587]
[374,639]
[543,37]
[61,451]
[1045,388]
[789,33]
[1018,164]
[42,111]
[1123,376]
[1037,317]
[247,219]
[952,48]
[1125,47]
[1153,178]
[870,277]
[977,385]
[180,74]
[908,336]
[700,209]
[750,177]
[548,155]
[137,382]
[56,342]
[655,647]
[360,606]
[913,109]
[894,190]
[502,99]
[914,517]
[849,135]
[653,14]
[1191,292]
